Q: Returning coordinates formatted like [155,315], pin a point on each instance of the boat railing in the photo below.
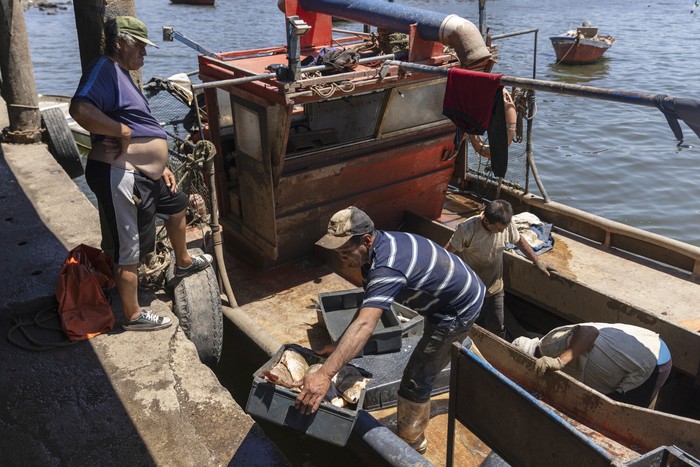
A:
[609,234]
[510,420]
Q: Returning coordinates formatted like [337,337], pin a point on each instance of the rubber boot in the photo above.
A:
[411,421]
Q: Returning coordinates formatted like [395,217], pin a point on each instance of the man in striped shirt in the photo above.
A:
[421,275]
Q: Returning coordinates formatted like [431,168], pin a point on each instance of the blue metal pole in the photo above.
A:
[382,14]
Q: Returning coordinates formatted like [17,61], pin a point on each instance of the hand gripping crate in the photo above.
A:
[276,405]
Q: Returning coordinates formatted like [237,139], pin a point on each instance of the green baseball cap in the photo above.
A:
[135,28]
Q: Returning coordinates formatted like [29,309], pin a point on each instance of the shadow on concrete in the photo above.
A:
[32,255]
[59,406]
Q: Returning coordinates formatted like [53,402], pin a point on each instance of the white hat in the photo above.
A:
[527,345]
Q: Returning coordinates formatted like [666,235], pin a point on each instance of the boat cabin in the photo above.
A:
[291,152]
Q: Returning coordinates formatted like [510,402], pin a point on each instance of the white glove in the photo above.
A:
[547,363]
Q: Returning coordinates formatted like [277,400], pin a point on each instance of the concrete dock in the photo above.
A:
[121,398]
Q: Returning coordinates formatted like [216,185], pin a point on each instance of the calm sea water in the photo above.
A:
[620,162]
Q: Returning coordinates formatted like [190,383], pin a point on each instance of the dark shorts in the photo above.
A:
[644,394]
[129,203]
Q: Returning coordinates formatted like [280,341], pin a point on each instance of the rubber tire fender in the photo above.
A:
[61,142]
[197,304]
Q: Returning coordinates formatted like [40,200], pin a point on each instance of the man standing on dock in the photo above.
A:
[418,273]
[127,166]
[480,241]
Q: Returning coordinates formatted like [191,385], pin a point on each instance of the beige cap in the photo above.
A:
[343,225]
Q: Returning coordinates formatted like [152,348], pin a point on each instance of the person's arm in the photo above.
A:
[582,340]
[532,256]
[97,122]
[170,181]
[315,385]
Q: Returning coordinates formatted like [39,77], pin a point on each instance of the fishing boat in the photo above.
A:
[298,138]
[581,46]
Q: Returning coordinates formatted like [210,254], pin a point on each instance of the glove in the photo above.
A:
[547,363]
[545,268]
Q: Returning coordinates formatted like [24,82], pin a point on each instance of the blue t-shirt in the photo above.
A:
[423,276]
[109,87]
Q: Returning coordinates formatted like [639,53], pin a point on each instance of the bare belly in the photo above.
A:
[147,155]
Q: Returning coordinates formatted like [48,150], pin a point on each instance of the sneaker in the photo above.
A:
[198,263]
[148,321]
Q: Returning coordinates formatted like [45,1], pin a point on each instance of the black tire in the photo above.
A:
[197,304]
[61,142]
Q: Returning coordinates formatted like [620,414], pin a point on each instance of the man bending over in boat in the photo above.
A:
[127,167]
[626,363]
[480,242]
[418,273]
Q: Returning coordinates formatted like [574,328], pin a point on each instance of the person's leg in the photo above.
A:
[429,358]
[132,217]
[174,206]
[176,226]
[491,316]
[127,284]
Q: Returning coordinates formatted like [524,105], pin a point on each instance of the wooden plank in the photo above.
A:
[512,422]
[632,426]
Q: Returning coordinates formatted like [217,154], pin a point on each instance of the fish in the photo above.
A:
[350,383]
[345,388]
[291,368]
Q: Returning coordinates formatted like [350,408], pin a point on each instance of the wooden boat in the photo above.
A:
[294,147]
[193,2]
[631,426]
[582,46]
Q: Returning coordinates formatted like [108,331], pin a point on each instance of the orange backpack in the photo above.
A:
[82,305]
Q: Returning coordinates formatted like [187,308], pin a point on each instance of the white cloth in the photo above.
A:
[525,220]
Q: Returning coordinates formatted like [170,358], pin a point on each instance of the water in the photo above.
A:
[617,161]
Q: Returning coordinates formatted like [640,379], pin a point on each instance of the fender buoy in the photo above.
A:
[511,116]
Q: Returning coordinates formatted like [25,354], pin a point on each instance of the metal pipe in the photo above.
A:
[614,95]
[248,79]
[452,30]
[352,33]
[528,147]
[511,34]
[391,16]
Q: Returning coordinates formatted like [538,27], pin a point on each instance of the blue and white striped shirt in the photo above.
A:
[423,276]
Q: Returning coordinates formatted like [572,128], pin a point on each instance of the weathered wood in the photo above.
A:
[90,16]
[18,85]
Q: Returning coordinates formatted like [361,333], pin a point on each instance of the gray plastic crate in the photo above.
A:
[411,322]
[337,311]
[276,404]
[387,371]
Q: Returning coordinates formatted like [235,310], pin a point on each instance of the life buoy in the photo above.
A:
[511,116]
